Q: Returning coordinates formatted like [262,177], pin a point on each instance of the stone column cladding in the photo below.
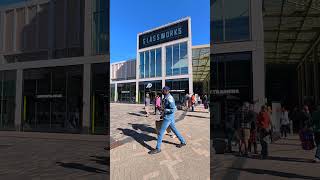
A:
[258,61]
[18,100]
[316,75]
[86,98]
[115,92]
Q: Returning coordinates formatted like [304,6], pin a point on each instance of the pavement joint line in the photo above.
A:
[118,143]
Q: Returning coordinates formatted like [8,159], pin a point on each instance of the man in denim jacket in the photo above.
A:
[168,120]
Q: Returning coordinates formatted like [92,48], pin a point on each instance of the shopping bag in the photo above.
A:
[158,127]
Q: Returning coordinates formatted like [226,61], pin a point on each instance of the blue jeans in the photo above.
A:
[165,124]
[317,140]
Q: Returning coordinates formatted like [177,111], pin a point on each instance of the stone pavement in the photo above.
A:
[46,156]
[287,161]
[129,117]
[132,161]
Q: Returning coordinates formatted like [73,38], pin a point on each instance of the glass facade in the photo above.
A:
[153,91]
[7,101]
[126,92]
[99,98]
[233,71]
[100,27]
[231,20]
[177,59]
[52,99]
[150,63]
[179,88]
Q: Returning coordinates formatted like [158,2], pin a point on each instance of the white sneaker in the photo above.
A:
[316,160]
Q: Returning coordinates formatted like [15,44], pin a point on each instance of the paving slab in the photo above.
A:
[132,161]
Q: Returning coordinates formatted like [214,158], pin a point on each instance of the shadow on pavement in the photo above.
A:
[81,167]
[135,114]
[100,159]
[276,173]
[141,138]
[143,127]
[286,159]
[197,116]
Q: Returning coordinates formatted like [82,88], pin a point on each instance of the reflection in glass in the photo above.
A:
[142,65]
[147,64]
[177,59]
[158,63]
[152,63]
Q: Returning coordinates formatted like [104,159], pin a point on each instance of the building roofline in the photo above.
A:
[123,61]
[201,46]
[22,4]
[165,25]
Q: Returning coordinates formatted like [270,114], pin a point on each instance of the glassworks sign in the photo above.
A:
[165,34]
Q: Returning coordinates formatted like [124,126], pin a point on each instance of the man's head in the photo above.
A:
[305,108]
[165,90]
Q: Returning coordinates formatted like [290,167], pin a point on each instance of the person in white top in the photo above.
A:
[285,122]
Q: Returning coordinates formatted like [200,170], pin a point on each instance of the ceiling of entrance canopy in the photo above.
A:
[291,29]
[201,63]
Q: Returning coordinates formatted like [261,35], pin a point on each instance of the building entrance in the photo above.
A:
[52,99]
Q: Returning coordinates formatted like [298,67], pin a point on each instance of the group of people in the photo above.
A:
[191,101]
[248,126]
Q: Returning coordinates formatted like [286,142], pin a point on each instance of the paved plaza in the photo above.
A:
[46,156]
[132,161]
[287,161]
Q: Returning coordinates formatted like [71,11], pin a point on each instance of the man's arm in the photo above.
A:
[171,108]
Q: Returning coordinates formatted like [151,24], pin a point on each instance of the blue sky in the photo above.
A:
[129,17]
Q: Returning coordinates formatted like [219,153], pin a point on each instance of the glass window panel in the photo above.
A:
[236,20]
[147,64]
[184,58]
[169,60]
[217,22]
[152,63]
[142,65]
[176,65]
[158,62]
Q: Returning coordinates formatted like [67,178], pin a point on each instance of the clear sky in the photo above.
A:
[129,17]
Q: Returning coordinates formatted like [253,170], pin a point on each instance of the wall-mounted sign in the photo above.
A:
[149,85]
[177,90]
[225,91]
[125,92]
[49,96]
[165,34]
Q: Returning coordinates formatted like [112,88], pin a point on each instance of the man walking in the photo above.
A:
[169,109]
[263,123]
[316,128]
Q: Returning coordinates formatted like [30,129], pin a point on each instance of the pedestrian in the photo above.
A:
[147,105]
[253,130]
[158,105]
[316,131]
[284,121]
[245,126]
[263,122]
[193,102]
[205,101]
[169,109]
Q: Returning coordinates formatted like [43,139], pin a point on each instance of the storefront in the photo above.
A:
[153,88]
[126,92]
[179,89]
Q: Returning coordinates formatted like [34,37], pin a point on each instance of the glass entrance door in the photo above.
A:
[52,99]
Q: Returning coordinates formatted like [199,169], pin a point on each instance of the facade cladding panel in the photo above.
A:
[9,30]
[43,26]
[21,22]
[31,29]
[60,24]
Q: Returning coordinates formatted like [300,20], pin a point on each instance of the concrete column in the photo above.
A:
[137,92]
[190,59]
[316,75]
[115,92]
[258,62]
[163,69]
[86,98]
[18,100]
[299,85]
[302,80]
[306,71]
[88,28]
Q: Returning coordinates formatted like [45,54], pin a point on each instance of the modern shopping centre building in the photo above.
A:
[266,51]
[165,57]
[54,66]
